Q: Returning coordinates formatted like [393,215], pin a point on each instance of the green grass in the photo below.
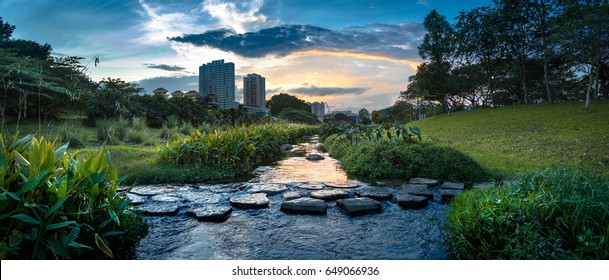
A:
[556,213]
[527,137]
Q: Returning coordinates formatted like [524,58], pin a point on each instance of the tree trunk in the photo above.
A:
[587,106]
[546,78]
[524,81]
[597,83]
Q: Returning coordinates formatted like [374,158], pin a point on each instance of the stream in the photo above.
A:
[270,234]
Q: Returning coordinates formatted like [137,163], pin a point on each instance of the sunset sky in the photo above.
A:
[351,54]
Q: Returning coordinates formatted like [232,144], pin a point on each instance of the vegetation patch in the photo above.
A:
[550,214]
[59,206]
[404,160]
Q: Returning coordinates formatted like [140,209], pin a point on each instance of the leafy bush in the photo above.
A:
[59,206]
[403,160]
[298,116]
[112,130]
[135,136]
[237,149]
[75,135]
[552,214]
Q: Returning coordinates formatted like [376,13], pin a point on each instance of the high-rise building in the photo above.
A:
[254,91]
[218,78]
[318,109]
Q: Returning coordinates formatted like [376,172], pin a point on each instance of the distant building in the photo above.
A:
[192,95]
[318,109]
[160,91]
[218,78]
[177,93]
[254,91]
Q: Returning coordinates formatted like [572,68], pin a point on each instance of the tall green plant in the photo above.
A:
[59,206]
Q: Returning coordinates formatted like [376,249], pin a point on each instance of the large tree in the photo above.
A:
[283,100]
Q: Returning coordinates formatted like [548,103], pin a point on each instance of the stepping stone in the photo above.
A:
[410,201]
[159,209]
[484,185]
[136,199]
[423,181]
[448,194]
[510,183]
[211,213]
[344,185]
[290,195]
[453,186]
[391,182]
[420,190]
[318,147]
[377,193]
[285,148]
[226,188]
[200,197]
[250,201]
[314,157]
[310,186]
[165,198]
[329,194]
[359,206]
[148,190]
[305,205]
[269,189]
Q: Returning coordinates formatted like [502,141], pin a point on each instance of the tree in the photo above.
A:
[364,116]
[281,101]
[299,116]
[6,30]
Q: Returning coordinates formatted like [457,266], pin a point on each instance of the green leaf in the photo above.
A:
[26,218]
[21,159]
[112,233]
[60,225]
[77,245]
[101,244]
[31,183]
[22,141]
[60,152]
[114,217]
[14,240]
[58,248]
[56,206]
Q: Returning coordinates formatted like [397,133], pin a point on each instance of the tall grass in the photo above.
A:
[550,214]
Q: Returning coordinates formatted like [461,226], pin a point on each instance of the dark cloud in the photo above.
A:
[274,90]
[184,83]
[324,91]
[394,40]
[173,68]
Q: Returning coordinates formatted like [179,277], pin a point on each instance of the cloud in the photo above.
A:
[229,14]
[423,2]
[325,91]
[170,83]
[166,67]
[392,40]
[157,26]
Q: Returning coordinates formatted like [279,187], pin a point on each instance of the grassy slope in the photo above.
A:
[520,138]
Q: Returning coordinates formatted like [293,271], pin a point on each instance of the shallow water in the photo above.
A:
[268,233]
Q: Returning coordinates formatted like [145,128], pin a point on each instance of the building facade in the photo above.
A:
[318,109]
[254,91]
[218,78]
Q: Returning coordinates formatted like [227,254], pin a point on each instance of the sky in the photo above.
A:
[351,54]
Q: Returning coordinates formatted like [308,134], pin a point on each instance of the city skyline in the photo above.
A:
[345,53]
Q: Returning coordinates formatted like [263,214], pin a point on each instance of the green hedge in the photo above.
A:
[552,214]
[404,160]
[59,206]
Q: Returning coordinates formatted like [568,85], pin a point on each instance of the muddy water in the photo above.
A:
[268,233]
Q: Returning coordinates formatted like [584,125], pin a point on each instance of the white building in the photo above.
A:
[218,78]
[254,91]
[318,109]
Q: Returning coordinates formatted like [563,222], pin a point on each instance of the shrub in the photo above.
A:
[552,214]
[135,136]
[59,206]
[75,135]
[138,123]
[403,160]
[112,130]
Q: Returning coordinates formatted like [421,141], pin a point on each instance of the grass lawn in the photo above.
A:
[510,139]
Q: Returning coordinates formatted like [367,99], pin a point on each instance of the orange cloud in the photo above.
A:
[413,64]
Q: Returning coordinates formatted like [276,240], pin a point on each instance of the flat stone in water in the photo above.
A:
[377,193]
[343,185]
[305,205]
[329,194]
[148,190]
[410,201]
[420,190]
[484,185]
[423,181]
[211,213]
[453,186]
[250,201]
[290,195]
[314,157]
[158,209]
[310,186]
[200,197]
[448,194]
[391,182]
[136,199]
[165,198]
[359,205]
[269,189]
